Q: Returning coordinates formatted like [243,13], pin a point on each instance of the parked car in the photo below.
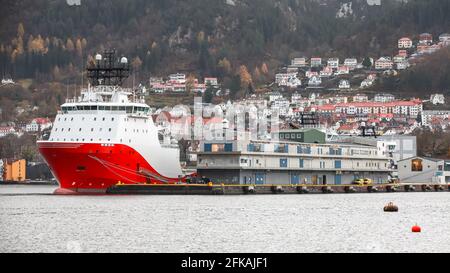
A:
[358,181]
[368,181]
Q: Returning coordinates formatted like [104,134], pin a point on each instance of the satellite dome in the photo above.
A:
[124,60]
[98,57]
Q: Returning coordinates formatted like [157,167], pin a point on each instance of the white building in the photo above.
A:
[360,98]
[8,130]
[343,70]
[405,43]
[288,162]
[296,98]
[299,62]
[177,78]
[38,124]
[288,80]
[425,39]
[384,97]
[310,74]
[445,39]
[423,170]
[429,115]
[437,99]
[402,65]
[344,84]
[351,63]
[384,63]
[333,63]
[316,62]
[366,83]
[274,96]
[315,81]
[211,81]
[326,72]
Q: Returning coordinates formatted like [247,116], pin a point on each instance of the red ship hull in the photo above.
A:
[93,168]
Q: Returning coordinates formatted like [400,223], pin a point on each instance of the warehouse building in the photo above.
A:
[290,162]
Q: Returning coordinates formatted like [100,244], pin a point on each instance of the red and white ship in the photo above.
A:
[107,137]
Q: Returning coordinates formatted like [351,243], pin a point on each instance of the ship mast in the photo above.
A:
[108,70]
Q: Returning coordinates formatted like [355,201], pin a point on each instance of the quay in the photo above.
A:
[222,189]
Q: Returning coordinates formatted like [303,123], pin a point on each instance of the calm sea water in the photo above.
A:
[33,220]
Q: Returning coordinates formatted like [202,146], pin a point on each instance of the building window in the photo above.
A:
[302,163]
[338,164]
[208,147]
[416,165]
[282,148]
[283,163]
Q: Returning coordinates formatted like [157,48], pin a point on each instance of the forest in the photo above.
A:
[52,41]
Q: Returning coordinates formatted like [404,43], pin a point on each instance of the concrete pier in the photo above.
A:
[217,189]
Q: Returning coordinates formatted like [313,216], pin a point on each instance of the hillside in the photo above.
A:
[50,41]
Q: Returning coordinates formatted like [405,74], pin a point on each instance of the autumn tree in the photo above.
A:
[256,74]
[79,47]
[225,66]
[20,30]
[69,45]
[264,69]
[56,73]
[190,83]
[136,63]
[245,77]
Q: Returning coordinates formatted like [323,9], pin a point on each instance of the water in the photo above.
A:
[33,220]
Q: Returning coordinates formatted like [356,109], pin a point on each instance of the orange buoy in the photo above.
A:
[416,229]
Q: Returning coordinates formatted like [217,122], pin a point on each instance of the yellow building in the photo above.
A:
[14,170]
